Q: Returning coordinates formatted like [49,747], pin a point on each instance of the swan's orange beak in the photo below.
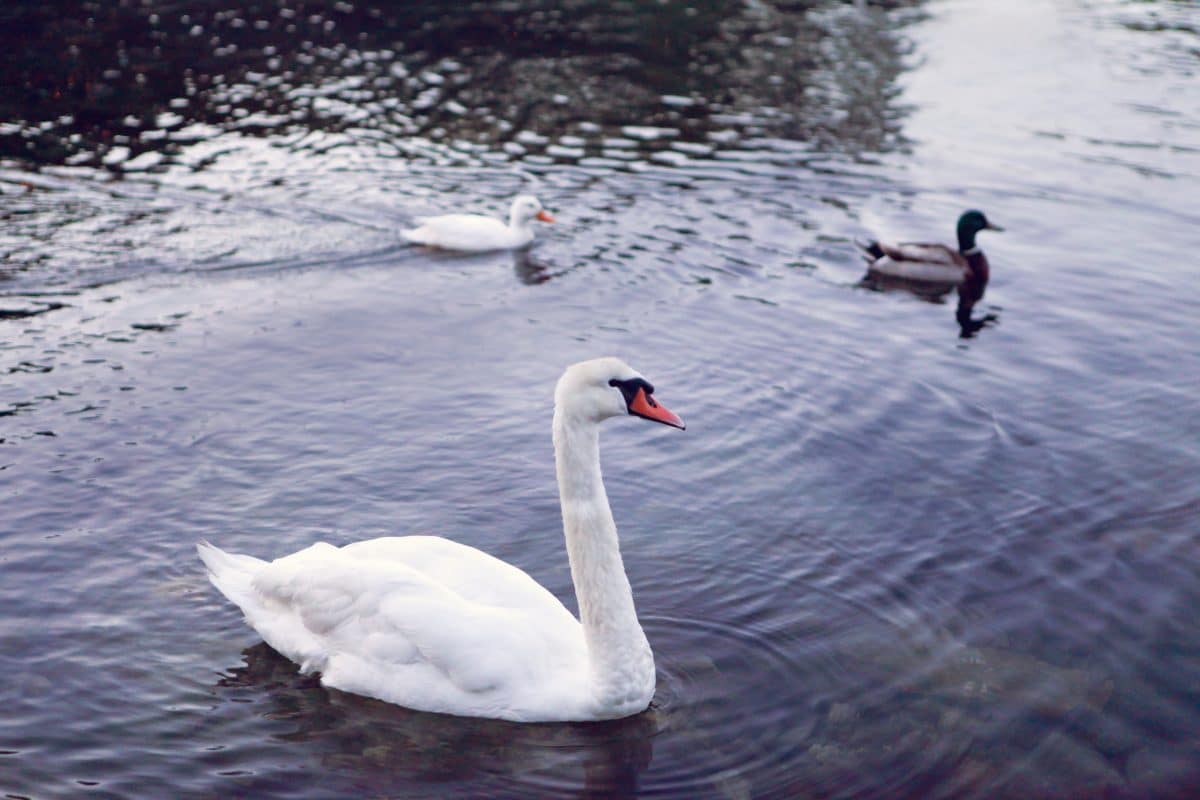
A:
[544,216]
[644,406]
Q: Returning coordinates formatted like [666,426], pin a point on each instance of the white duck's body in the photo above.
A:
[433,625]
[475,233]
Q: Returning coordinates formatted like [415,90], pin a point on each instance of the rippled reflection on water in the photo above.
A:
[878,563]
[242,114]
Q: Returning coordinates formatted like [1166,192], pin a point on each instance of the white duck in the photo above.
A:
[433,625]
[475,233]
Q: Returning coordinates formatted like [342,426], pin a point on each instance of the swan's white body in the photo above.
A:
[419,621]
[430,624]
[475,233]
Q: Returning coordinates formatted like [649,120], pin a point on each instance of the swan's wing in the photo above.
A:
[470,573]
[375,625]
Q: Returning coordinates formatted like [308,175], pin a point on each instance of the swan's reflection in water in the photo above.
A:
[383,747]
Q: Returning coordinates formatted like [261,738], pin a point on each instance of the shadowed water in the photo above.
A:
[881,561]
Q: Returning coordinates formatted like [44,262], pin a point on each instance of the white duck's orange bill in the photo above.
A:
[545,216]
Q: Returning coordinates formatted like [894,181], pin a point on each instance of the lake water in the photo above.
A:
[882,561]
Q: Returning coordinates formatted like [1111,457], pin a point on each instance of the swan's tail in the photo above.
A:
[232,573]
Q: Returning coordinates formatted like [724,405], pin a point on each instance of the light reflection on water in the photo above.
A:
[878,563]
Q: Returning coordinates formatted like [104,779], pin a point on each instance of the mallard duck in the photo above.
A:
[934,262]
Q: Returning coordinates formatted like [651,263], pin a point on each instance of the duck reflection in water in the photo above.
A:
[531,270]
[390,749]
[930,270]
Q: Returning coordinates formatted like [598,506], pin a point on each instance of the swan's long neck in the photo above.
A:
[620,657]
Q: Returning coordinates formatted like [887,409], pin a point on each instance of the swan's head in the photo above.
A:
[608,387]
[525,207]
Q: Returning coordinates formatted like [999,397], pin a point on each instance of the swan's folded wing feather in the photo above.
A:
[360,619]
[472,574]
[314,602]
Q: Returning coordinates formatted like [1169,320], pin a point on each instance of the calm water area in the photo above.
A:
[883,561]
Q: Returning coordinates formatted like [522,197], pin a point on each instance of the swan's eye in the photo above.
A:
[629,389]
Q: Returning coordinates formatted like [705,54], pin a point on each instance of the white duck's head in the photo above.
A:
[596,390]
[525,208]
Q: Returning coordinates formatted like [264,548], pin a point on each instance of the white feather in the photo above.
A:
[475,233]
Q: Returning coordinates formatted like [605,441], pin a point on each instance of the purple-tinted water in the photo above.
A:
[881,562]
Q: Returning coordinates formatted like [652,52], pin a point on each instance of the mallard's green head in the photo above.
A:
[970,223]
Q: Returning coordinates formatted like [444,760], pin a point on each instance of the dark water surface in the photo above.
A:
[881,562]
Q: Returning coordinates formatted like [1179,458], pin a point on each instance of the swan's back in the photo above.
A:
[420,621]
[471,573]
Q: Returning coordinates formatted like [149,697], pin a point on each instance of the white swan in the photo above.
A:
[475,233]
[426,623]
